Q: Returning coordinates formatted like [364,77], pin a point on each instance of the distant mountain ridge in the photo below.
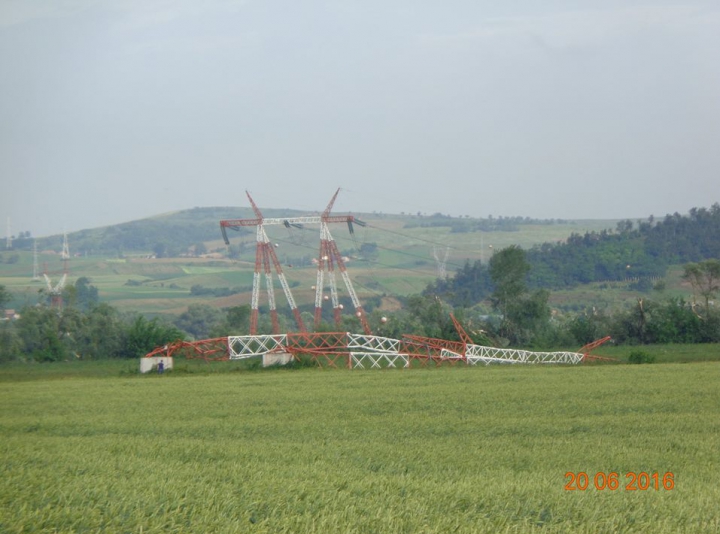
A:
[177,231]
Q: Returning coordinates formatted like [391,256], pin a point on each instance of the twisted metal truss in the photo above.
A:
[478,354]
[365,351]
[362,351]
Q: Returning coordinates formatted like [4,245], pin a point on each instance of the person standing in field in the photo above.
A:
[161,367]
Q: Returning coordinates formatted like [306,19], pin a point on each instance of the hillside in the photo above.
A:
[394,255]
[162,264]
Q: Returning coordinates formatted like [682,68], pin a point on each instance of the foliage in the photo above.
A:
[10,259]
[508,269]
[235,322]
[635,253]
[166,235]
[640,356]
[198,290]
[9,342]
[199,320]
[470,285]
[704,277]
[523,313]
[42,334]
[199,248]
[5,297]
[491,224]
[369,250]
[668,321]
[142,336]
[81,294]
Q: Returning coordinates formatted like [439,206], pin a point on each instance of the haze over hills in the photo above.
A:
[183,229]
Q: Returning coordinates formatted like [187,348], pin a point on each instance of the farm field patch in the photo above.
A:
[426,450]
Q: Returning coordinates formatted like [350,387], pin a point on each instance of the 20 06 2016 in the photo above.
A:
[611,481]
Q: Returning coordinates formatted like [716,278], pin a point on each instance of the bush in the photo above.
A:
[640,356]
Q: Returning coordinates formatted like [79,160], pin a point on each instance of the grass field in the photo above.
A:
[95,447]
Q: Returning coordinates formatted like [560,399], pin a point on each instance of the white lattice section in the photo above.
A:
[446,354]
[375,360]
[241,347]
[373,343]
[478,354]
[368,352]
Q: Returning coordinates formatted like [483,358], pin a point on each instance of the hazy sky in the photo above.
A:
[116,110]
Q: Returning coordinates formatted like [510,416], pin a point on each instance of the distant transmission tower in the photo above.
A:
[440,265]
[66,248]
[56,290]
[36,268]
[8,242]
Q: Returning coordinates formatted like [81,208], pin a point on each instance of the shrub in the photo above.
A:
[640,356]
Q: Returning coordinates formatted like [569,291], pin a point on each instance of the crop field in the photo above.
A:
[426,450]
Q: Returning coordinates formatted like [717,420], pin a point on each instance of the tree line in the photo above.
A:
[88,329]
[639,253]
[522,315]
[642,251]
[515,284]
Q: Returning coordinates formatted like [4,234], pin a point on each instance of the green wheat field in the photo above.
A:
[459,449]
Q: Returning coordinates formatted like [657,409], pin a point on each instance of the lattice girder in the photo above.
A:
[360,350]
[248,346]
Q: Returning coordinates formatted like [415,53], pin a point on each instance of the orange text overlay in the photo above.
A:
[613,481]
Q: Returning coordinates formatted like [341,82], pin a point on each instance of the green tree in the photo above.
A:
[100,334]
[40,334]
[704,277]
[5,297]
[429,317]
[9,342]
[587,327]
[160,249]
[200,248]
[523,314]
[508,269]
[141,336]
[199,320]
[86,294]
[237,322]
[369,251]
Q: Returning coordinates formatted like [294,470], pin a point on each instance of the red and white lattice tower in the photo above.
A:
[56,290]
[265,255]
[328,258]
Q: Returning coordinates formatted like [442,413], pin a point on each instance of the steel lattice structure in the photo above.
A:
[366,351]
[363,351]
[266,260]
[333,349]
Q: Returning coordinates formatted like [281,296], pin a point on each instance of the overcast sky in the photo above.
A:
[114,111]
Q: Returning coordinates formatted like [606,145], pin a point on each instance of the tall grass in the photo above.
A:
[426,450]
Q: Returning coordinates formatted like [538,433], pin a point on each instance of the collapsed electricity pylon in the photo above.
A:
[265,255]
